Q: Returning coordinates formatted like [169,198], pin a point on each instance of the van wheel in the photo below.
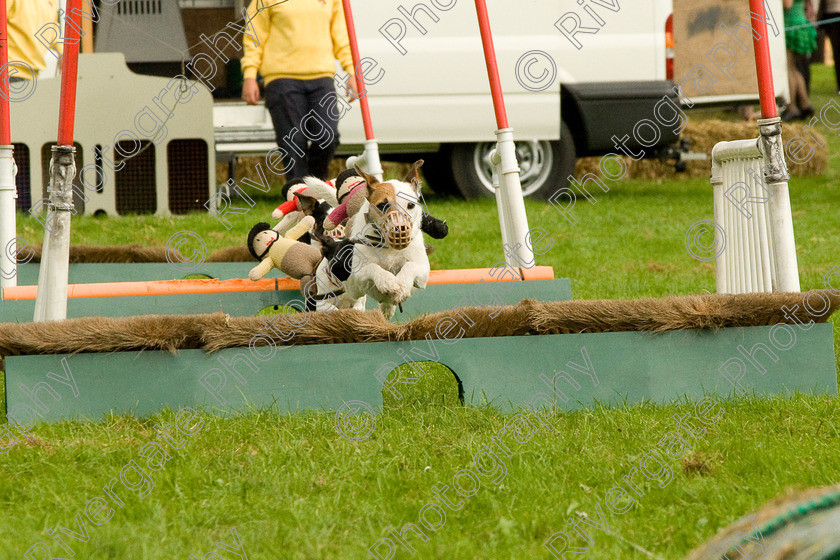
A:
[544,166]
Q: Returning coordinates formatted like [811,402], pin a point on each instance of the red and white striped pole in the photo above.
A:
[512,217]
[370,159]
[8,191]
[772,149]
[51,302]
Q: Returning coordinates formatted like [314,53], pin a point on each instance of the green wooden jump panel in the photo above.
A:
[572,371]
[90,273]
[433,298]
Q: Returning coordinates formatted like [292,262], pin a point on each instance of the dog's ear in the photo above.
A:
[369,179]
[413,176]
[307,204]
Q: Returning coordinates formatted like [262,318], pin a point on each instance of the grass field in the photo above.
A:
[292,488]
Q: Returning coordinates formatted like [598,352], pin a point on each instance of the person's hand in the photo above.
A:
[352,88]
[250,91]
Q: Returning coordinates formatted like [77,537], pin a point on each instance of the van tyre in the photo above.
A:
[545,166]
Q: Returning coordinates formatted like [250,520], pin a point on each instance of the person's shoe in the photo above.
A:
[790,115]
[806,114]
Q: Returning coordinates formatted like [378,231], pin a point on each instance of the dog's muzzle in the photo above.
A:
[398,229]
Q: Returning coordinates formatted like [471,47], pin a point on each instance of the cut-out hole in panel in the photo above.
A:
[278,310]
[97,162]
[23,179]
[136,182]
[78,191]
[422,384]
[189,180]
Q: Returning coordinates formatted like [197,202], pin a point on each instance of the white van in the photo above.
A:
[577,77]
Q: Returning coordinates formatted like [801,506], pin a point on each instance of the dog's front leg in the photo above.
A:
[377,277]
[411,275]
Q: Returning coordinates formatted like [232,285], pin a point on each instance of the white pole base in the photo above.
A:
[8,224]
[51,301]
[517,251]
[368,161]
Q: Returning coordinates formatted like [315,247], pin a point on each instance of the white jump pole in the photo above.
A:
[8,191]
[51,302]
[512,217]
[775,170]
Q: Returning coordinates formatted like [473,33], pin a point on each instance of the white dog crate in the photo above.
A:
[119,170]
[127,25]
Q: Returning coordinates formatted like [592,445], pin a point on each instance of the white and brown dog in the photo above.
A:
[384,256]
[389,257]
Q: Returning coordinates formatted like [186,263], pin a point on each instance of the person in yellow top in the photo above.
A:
[297,44]
[24,19]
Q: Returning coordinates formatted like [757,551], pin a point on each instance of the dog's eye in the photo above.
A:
[411,205]
[382,207]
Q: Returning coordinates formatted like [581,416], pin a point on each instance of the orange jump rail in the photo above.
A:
[181,287]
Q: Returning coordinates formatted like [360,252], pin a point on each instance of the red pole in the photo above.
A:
[69,70]
[764,70]
[360,81]
[492,67]
[5,120]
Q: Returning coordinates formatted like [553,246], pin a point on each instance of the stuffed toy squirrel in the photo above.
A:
[293,258]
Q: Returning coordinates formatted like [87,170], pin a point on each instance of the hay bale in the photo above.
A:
[704,135]
[798,526]
[246,167]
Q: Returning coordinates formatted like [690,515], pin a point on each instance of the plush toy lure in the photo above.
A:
[293,258]
[351,196]
[289,213]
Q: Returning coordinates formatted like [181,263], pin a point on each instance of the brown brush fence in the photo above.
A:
[138,254]
[217,331]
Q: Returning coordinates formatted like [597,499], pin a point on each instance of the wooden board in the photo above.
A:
[507,372]
[239,304]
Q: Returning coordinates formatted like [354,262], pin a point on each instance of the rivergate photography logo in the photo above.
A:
[355,420]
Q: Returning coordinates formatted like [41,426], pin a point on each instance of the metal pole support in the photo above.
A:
[776,176]
[51,302]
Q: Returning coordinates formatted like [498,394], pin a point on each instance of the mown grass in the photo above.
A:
[294,489]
